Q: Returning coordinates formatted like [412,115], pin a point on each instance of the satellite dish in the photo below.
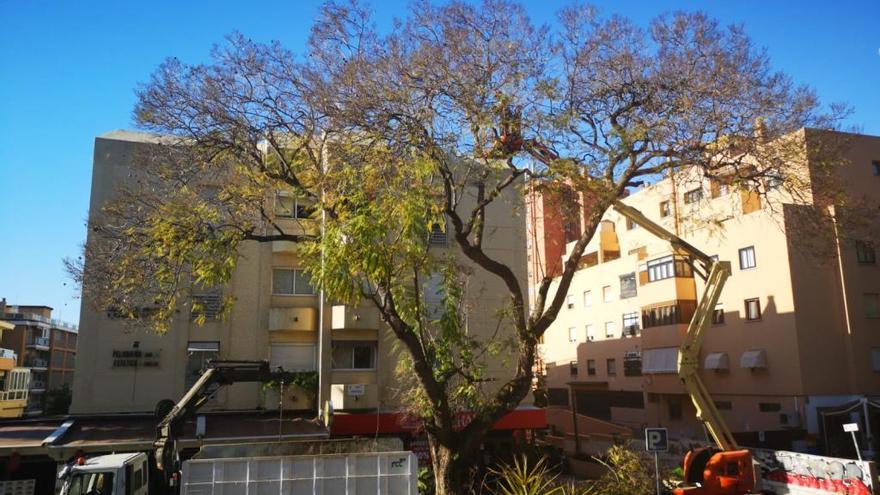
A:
[327,414]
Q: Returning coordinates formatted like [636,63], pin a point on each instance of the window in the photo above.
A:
[630,323]
[572,334]
[91,483]
[590,335]
[609,329]
[875,168]
[588,298]
[606,293]
[632,363]
[354,355]
[292,357]
[207,305]
[287,282]
[591,367]
[723,405]
[769,406]
[611,366]
[718,314]
[693,195]
[753,309]
[660,360]
[664,209]
[875,358]
[292,206]
[865,252]
[569,301]
[668,267]
[573,368]
[438,236]
[628,286]
[198,356]
[747,258]
[872,305]
[662,315]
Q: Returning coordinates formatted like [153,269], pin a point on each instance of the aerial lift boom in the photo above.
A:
[727,471]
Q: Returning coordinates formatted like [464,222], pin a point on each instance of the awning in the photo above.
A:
[203,347]
[522,418]
[661,360]
[717,361]
[755,359]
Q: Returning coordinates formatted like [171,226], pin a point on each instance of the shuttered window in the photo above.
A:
[292,357]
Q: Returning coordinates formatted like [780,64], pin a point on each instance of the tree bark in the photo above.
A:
[455,464]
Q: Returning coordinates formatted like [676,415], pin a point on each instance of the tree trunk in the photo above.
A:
[455,466]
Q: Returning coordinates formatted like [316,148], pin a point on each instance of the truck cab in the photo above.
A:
[115,474]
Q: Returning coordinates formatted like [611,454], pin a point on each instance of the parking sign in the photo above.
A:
[656,439]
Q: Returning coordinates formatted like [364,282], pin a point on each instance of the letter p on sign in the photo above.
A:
[656,439]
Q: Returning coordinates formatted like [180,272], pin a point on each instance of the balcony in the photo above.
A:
[302,319]
[41,343]
[354,396]
[36,363]
[7,359]
[349,317]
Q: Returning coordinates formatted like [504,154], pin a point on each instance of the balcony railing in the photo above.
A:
[38,341]
[27,317]
[14,395]
[64,325]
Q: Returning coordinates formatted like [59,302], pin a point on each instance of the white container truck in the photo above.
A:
[383,473]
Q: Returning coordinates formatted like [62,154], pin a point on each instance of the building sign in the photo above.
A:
[355,390]
[796,473]
[135,358]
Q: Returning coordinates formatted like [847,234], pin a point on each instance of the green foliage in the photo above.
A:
[426,481]
[58,400]
[306,380]
[524,478]
[628,474]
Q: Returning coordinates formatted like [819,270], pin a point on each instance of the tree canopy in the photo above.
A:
[453,112]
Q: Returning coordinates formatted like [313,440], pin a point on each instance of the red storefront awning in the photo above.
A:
[394,422]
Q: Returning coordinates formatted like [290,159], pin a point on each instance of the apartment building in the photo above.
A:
[278,316]
[794,348]
[14,380]
[44,345]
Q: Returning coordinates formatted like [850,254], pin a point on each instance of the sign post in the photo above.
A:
[853,428]
[656,441]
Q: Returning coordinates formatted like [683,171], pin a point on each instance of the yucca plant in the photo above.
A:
[525,478]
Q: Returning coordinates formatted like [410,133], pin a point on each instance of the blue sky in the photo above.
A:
[68,72]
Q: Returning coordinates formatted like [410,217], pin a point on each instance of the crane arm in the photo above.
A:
[715,273]
[217,373]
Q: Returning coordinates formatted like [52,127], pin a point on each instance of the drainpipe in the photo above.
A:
[574,421]
[843,294]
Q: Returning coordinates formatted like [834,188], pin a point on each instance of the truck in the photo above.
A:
[314,466]
[243,470]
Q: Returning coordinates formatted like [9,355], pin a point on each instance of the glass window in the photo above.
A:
[769,406]
[198,356]
[718,314]
[628,286]
[747,258]
[753,309]
[590,334]
[664,209]
[611,366]
[354,355]
[293,207]
[674,409]
[588,298]
[872,305]
[572,334]
[91,484]
[693,195]
[609,329]
[287,281]
[865,252]
[591,367]
[875,168]
[607,296]
[573,368]
[668,267]
[630,323]
[569,301]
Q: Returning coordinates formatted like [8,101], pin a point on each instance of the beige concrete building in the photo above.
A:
[44,345]
[794,350]
[278,316]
